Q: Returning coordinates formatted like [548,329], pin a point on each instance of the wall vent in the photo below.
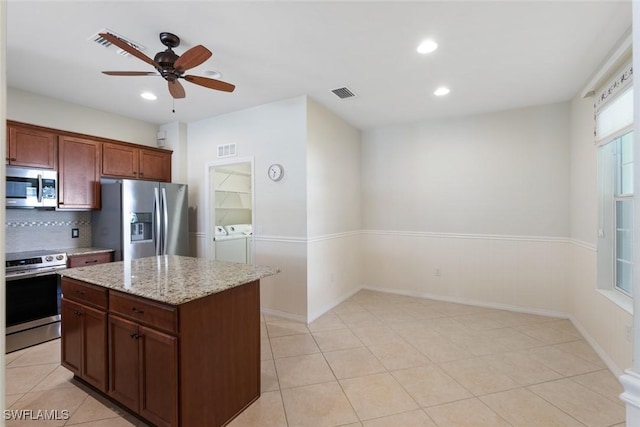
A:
[343,93]
[227,150]
[103,42]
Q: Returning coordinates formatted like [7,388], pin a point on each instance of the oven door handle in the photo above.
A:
[39,188]
[30,275]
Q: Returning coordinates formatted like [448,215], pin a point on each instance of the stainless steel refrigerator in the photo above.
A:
[142,218]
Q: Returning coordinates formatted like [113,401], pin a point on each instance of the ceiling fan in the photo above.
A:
[169,65]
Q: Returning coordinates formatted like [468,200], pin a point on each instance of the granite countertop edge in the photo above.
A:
[170,279]
[84,251]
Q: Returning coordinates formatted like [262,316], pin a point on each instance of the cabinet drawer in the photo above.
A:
[90,259]
[150,313]
[85,293]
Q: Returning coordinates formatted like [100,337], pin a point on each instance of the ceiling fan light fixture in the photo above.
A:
[441,91]
[214,74]
[149,96]
[427,46]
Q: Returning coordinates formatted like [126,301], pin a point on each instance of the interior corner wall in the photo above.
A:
[598,317]
[471,209]
[270,133]
[333,210]
[40,110]
[176,140]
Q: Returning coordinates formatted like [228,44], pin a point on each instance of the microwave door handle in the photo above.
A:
[156,209]
[39,188]
[165,235]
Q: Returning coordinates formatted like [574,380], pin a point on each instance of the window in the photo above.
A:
[614,134]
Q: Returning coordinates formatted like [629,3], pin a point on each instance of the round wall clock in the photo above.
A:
[276,172]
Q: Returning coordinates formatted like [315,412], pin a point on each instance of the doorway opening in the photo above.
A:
[231,211]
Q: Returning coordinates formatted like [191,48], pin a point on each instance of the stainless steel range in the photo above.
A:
[32,297]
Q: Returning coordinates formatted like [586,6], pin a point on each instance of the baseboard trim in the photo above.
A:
[287,316]
[615,369]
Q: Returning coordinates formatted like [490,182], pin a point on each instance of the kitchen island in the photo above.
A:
[174,339]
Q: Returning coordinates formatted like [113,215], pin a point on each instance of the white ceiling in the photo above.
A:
[493,55]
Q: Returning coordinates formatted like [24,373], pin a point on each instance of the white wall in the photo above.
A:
[271,133]
[599,318]
[176,141]
[40,110]
[333,210]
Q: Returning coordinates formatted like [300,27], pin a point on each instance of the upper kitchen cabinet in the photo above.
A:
[79,163]
[30,146]
[128,161]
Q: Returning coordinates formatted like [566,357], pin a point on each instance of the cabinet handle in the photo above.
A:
[77,313]
[135,173]
[13,159]
[134,335]
[141,174]
[137,311]
[93,261]
[79,292]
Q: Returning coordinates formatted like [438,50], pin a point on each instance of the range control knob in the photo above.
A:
[49,258]
[59,257]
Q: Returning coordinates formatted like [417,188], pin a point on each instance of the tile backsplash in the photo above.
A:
[33,229]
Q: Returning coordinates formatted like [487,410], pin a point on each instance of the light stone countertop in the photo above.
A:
[84,251]
[170,279]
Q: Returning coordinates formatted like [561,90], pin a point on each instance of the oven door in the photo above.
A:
[32,311]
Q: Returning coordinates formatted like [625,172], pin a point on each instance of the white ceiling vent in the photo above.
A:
[343,93]
[103,42]
[227,150]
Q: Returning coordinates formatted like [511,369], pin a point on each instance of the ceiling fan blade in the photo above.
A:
[131,73]
[192,58]
[176,90]
[128,48]
[210,83]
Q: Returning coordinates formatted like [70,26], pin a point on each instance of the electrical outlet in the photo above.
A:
[75,233]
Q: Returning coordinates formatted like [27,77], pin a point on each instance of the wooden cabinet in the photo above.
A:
[30,147]
[89,259]
[126,161]
[84,332]
[79,169]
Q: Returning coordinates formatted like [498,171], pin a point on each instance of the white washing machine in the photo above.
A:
[233,243]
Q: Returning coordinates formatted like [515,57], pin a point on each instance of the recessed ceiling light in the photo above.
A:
[427,46]
[149,96]
[441,91]
[214,74]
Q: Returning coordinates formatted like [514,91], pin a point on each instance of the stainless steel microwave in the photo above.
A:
[31,188]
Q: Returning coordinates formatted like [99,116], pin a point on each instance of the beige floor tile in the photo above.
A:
[476,345]
[23,378]
[602,382]
[59,377]
[10,399]
[61,400]
[317,405]
[269,377]
[522,367]
[465,413]
[48,352]
[348,307]
[267,411]
[356,319]
[353,362]
[293,345]
[10,357]
[478,322]
[374,335]
[398,355]
[109,422]
[376,396]
[440,349]
[393,316]
[518,341]
[564,325]
[564,363]
[412,331]
[415,418]
[327,322]
[581,403]
[547,334]
[265,350]
[509,318]
[522,408]
[336,340]
[92,409]
[430,385]
[478,376]
[448,325]
[286,327]
[303,370]
[583,350]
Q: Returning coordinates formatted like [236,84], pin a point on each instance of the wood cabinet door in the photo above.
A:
[94,362]
[120,160]
[71,336]
[79,163]
[31,148]
[124,362]
[155,165]
[159,377]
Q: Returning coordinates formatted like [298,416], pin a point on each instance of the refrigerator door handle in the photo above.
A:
[156,209]
[165,221]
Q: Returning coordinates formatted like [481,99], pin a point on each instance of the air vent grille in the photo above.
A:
[97,38]
[343,93]
[227,150]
